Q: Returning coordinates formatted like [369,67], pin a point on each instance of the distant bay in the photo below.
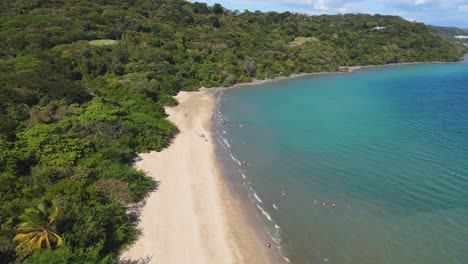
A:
[368,167]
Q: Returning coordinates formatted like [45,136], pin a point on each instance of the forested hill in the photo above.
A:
[83,85]
[452,33]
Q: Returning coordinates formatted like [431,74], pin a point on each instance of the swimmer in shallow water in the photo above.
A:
[268,245]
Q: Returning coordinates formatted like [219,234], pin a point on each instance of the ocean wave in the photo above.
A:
[235,159]
[265,213]
[226,142]
[276,238]
[257,198]
[274,229]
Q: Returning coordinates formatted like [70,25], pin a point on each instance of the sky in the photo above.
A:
[433,12]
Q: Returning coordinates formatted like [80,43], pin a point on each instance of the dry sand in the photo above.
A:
[193,217]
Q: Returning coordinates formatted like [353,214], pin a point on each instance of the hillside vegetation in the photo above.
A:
[83,85]
[451,33]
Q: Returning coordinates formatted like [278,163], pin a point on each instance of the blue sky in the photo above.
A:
[434,12]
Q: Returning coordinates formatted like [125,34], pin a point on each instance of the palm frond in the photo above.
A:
[27,227]
[58,239]
[38,244]
[47,242]
[23,237]
[35,231]
[53,215]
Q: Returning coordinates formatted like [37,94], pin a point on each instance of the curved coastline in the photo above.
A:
[238,174]
[200,219]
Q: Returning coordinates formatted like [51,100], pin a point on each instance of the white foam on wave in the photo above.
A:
[276,239]
[274,234]
[251,198]
[235,159]
[226,142]
[287,260]
[257,198]
[265,213]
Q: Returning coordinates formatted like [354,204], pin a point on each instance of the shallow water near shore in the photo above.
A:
[368,167]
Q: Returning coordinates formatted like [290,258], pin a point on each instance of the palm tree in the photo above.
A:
[35,231]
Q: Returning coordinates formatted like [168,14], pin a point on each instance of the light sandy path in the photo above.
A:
[192,217]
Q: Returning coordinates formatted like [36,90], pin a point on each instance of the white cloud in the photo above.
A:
[433,5]
[463,8]
[439,12]
[420,2]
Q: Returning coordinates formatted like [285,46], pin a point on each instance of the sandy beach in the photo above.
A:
[193,217]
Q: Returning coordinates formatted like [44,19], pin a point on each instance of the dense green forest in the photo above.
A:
[83,85]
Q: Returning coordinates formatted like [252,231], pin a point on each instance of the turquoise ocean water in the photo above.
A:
[368,167]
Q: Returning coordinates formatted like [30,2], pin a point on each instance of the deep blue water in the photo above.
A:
[373,165]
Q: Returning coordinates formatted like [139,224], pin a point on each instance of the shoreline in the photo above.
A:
[193,217]
[233,173]
[351,69]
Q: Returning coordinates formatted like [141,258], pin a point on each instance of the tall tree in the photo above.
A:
[35,231]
